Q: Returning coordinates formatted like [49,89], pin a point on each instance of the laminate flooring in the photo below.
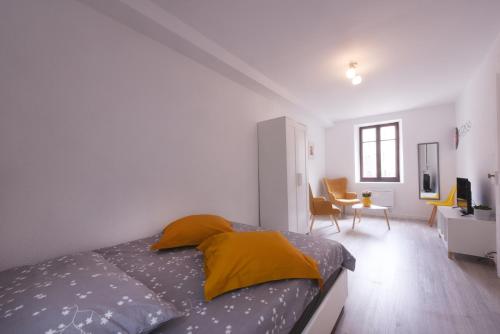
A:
[405,283]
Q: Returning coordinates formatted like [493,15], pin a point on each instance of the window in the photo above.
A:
[379,153]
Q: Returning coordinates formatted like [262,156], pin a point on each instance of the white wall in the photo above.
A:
[106,135]
[478,150]
[433,124]
[316,165]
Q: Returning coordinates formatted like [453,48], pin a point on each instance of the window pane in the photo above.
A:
[368,134]
[369,159]
[388,158]
[388,132]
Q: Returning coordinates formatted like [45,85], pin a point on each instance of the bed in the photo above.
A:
[131,278]
[274,307]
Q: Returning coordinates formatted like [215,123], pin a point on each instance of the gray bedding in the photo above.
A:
[79,293]
[177,277]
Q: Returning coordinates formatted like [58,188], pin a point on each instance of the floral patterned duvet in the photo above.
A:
[177,276]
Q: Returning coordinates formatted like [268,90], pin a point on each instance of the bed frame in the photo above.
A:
[328,312]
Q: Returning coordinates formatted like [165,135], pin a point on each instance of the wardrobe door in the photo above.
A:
[291,176]
[273,176]
[302,210]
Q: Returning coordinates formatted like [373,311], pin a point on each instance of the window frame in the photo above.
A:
[379,177]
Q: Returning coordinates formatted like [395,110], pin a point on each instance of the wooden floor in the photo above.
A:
[405,283]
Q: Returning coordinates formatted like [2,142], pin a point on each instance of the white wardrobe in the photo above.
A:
[283,184]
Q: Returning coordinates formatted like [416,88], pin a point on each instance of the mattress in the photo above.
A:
[177,276]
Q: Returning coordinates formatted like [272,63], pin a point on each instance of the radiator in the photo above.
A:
[383,197]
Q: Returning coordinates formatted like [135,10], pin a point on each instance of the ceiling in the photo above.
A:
[411,54]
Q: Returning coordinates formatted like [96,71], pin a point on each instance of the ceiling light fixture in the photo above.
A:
[351,72]
[353,75]
[357,80]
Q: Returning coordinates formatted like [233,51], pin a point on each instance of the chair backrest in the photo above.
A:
[337,186]
[451,195]
[328,190]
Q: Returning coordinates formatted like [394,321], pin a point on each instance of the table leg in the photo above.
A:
[387,220]
[360,213]
[354,218]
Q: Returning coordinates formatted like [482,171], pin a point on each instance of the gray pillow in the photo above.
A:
[75,294]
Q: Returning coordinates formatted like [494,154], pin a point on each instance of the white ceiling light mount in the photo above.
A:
[351,72]
[353,75]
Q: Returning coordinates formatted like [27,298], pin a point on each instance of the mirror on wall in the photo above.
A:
[428,171]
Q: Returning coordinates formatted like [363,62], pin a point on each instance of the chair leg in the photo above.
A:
[433,215]
[312,223]
[334,220]
[354,218]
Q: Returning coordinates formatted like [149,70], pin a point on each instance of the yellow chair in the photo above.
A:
[338,194]
[450,201]
[319,206]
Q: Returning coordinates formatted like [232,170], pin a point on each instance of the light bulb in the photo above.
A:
[357,80]
[350,73]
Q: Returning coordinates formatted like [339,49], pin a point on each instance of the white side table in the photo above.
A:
[358,209]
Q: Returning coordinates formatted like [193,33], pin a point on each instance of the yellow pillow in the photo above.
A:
[240,259]
[191,231]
